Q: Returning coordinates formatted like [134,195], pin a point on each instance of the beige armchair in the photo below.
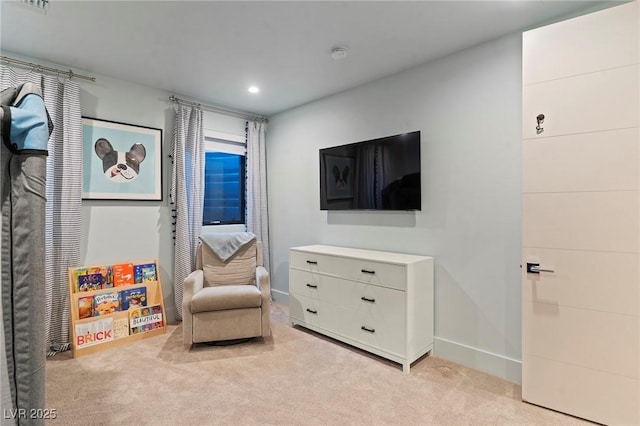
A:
[226,301]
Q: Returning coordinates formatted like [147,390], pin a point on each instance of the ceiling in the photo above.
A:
[212,51]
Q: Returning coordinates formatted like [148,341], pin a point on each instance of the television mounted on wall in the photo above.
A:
[377,174]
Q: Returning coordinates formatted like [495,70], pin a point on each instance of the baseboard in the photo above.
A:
[498,365]
[280,296]
[170,314]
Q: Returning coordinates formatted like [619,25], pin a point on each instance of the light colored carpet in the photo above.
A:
[296,377]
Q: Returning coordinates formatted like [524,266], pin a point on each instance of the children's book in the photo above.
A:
[133,298]
[85,307]
[107,274]
[145,319]
[149,274]
[134,320]
[144,272]
[122,274]
[76,273]
[120,328]
[157,310]
[106,303]
[89,282]
[94,332]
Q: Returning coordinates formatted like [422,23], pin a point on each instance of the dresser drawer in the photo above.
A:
[312,262]
[378,328]
[312,311]
[378,273]
[312,285]
[369,298]
[346,293]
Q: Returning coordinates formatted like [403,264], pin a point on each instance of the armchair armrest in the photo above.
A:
[192,284]
[263,284]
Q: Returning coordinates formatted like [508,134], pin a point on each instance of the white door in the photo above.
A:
[581,216]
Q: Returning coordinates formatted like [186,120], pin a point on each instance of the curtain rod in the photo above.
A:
[31,65]
[221,110]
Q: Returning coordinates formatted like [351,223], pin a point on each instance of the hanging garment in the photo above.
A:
[24,128]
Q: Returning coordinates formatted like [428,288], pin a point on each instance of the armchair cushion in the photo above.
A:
[241,268]
[219,298]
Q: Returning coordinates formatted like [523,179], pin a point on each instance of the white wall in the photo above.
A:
[117,231]
[114,231]
[467,107]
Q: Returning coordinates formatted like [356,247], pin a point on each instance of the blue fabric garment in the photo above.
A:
[29,129]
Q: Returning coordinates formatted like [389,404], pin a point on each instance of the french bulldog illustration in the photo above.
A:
[341,179]
[120,167]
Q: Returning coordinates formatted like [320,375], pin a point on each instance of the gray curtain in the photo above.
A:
[187,194]
[64,196]
[370,173]
[257,212]
[64,204]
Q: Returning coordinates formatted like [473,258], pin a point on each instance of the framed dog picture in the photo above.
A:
[339,176]
[120,161]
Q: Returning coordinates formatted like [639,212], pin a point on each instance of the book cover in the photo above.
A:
[89,282]
[120,328]
[85,307]
[144,272]
[94,332]
[157,310]
[133,298]
[76,273]
[106,303]
[134,317]
[145,319]
[122,274]
[149,274]
[107,274]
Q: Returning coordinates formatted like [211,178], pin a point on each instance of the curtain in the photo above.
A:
[64,197]
[187,194]
[257,212]
[370,173]
[64,204]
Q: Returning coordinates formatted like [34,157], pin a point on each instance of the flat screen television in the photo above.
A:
[378,174]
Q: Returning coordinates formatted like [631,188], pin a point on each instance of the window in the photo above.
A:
[224,182]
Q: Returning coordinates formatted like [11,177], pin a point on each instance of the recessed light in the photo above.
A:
[339,52]
[253,89]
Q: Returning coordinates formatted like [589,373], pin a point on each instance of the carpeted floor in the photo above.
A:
[296,377]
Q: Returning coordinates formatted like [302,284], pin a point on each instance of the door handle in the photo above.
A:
[535,268]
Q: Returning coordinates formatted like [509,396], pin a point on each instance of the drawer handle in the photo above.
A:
[366,271]
[312,262]
[370,330]
[312,286]
[311,311]
[366,299]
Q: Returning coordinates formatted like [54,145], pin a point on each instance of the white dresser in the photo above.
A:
[377,301]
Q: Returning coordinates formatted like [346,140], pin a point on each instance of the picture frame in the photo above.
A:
[339,177]
[121,161]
